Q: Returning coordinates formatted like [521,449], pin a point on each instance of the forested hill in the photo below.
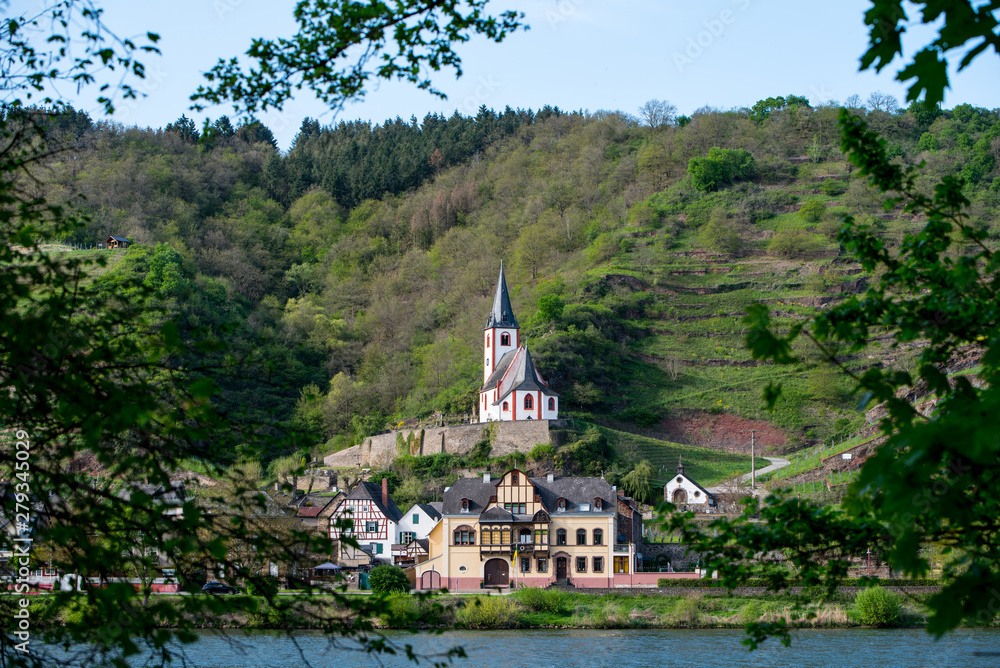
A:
[358,267]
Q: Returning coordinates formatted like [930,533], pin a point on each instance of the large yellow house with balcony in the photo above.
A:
[521,531]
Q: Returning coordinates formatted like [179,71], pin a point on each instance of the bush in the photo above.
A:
[640,417]
[263,585]
[541,452]
[877,607]
[542,600]
[388,579]
[719,233]
[490,612]
[790,242]
[722,167]
[812,211]
[833,187]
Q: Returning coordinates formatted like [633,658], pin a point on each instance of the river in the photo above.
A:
[844,648]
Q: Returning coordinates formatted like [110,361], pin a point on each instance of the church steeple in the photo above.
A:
[502,314]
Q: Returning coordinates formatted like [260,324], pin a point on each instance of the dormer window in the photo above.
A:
[505,339]
[465,505]
[561,504]
[598,504]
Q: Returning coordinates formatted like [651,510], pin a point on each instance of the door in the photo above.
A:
[680,496]
[430,580]
[560,568]
[496,573]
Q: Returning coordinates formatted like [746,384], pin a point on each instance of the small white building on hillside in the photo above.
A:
[683,491]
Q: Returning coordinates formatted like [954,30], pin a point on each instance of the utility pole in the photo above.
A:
[753,461]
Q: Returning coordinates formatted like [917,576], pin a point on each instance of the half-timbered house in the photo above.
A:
[374,519]
[415,525]
[528,531]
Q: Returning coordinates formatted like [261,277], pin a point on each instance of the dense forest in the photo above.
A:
[351,276]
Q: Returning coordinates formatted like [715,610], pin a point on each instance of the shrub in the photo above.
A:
[490,612]
[877,607]
[541,452]
[388,579]
[812,211]
[722,167]
[833,187]
[542,600]
[641,417]
[751,613]
[266,586]
[791,242]
[719,233]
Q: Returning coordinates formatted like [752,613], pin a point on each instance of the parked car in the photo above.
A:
[213,587]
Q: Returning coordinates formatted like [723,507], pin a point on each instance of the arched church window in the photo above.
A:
[529,402]
[487,339]
[505,339]
[552,404]
[505,407]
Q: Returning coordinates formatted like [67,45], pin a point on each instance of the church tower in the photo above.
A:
[512,387]
[502,333]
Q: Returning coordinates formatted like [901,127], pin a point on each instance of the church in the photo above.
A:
[512,387]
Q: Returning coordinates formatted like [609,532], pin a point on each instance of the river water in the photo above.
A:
[844,648]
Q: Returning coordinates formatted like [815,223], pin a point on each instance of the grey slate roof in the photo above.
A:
[437,505]
[523,376]
[369,490]
[431,511]
[502,314]
[119,239]
[497,514]
[576,491]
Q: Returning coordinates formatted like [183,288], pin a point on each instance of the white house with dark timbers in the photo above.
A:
[512,387]
[375,520]
[683,491]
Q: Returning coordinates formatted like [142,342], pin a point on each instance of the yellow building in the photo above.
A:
[531,532]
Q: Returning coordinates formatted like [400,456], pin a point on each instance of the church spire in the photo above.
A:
[502,315]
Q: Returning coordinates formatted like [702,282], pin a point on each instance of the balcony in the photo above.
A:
[508,548]
[621,548]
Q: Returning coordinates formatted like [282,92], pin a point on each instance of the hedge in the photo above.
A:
[764,582]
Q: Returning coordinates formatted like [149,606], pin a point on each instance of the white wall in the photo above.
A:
[694,495]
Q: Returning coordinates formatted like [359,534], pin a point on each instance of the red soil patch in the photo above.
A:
[722,432]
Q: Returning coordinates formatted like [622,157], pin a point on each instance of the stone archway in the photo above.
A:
[496,573]
[680,496]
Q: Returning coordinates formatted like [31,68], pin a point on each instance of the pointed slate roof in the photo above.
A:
[521,375]
[369,490]
[502,314]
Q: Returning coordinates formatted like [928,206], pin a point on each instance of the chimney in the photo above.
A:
[385,492]
[486,477]
[551,477]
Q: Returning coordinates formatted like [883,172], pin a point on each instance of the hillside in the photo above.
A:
[632,253]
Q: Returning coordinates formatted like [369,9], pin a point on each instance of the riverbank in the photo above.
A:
[557,609]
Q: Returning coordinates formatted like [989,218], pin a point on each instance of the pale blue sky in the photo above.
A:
[578,54]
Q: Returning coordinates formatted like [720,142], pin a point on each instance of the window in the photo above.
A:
[465,505]
[371,526]
[378,548]
[465,536]
[581,564]
[405,537]
[581,536]
[541,536]
[561,537]
[416,518]
[487,343]
[621,564]
[561,504]
[598,504]
[543,565]
[518,508]
[524,536]
[598,564]
[598,537]
[529,402]
[505,339]
[505,407]
[513,478]
[525,564]
[495,538]
[505,537]
[552,404]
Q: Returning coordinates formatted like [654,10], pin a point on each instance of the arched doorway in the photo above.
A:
[680,496]
[430,580]
[562,568]
[496,573]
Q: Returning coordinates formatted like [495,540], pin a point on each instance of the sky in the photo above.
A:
[577,55]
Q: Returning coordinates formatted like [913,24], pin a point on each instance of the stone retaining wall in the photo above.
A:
[380,450]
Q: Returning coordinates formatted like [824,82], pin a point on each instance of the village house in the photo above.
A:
[512,387]
[315,511]
[412,531]
[374,519]
[532,532]
[683,491]
[117,242]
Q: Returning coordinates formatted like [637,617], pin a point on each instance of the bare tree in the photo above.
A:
[854,102]
[658,113]
[879,101]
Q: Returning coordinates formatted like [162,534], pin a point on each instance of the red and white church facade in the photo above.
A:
[512,387]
